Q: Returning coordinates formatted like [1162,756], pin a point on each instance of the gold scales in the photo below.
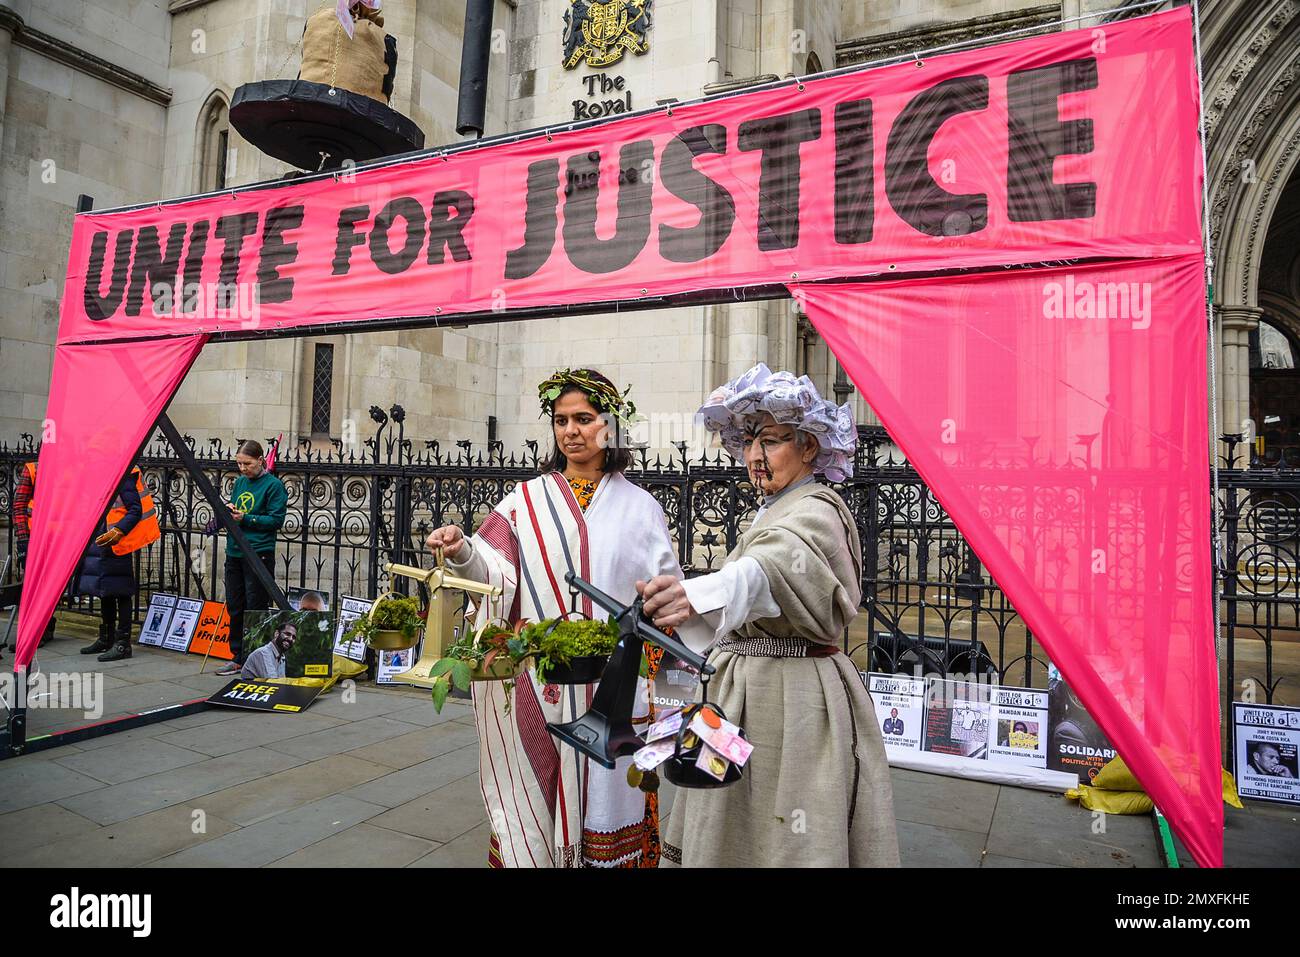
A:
[446,614]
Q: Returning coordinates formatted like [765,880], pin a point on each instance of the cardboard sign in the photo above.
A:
[156,619]
[212,636]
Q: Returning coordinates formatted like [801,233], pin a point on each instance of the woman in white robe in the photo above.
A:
[548,806]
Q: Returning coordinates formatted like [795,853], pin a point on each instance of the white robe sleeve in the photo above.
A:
[468,563]
[726,599]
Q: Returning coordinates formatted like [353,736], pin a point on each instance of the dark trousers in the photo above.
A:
[244,592]
[115,613]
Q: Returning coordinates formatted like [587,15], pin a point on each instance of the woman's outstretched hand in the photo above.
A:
[665,601]
[450,538]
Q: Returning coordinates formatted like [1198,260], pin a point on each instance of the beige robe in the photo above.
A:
[816,792]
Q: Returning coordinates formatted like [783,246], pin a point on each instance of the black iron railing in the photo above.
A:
[351,511]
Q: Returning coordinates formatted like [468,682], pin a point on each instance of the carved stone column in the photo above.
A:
[10,23]
[1236,324]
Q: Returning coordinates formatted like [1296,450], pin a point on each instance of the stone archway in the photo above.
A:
[1252,119]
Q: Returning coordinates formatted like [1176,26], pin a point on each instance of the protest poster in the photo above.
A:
[291,644]
[156,619]
[184,622]
[393,663]
[1266,745]
[350,609]
[212,636]
[900,710]
[265,695]
[307,599]
[1018,722]
[1076,743]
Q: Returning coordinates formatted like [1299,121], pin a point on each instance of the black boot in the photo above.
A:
[121,646]
[49,634]
[102,643]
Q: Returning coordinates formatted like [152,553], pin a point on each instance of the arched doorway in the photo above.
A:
[1275,342]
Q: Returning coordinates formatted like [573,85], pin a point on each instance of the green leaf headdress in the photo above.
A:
[602,393]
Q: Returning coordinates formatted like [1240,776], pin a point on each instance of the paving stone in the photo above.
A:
[127,760]
[1043,827]
[945,801]
[25,783]
[150,668]
[267,796]
[116,737]
[925,845]
[418,746]
[360,846]
[122,801]
[468,850]
[205,685]
[442,815]
[424,713]
[995,860]
[346,737]
[276,837]
[419,779]
[129,843]
[255,729]
[200,719]
[367,704]
[146,697]
[42,824]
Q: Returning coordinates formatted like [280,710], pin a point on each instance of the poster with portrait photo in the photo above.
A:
[1267,751]
[302,640]
[390,664]
[1018,722]
[350,609]
[307,599]
[156,618]
[900,708]
[185,620]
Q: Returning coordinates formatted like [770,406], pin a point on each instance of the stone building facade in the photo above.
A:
[127,101]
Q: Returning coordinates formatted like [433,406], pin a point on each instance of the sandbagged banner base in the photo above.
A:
[956,766]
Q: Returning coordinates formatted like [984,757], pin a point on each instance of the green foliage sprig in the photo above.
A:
[567,640]
[390,614]
[549,647]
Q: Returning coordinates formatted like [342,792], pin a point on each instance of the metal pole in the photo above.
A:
[475,54]
[264,577]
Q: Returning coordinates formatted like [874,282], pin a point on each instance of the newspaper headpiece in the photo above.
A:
[790,401]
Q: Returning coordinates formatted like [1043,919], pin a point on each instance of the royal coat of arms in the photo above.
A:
[601,31]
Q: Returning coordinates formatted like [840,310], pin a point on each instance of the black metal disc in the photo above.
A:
[297,120]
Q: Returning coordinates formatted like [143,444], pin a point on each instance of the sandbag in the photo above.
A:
[1115,776]
[358,65]
[1111,802]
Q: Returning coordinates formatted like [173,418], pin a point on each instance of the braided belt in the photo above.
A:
[775,647]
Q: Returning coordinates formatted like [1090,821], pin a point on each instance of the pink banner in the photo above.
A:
[1060,418]
[1072,145]
[104,400]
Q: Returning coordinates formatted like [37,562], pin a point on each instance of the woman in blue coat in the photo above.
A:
[110,577]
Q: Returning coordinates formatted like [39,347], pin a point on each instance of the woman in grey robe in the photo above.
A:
[816,790]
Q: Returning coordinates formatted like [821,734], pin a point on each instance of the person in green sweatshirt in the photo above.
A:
[258,504]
